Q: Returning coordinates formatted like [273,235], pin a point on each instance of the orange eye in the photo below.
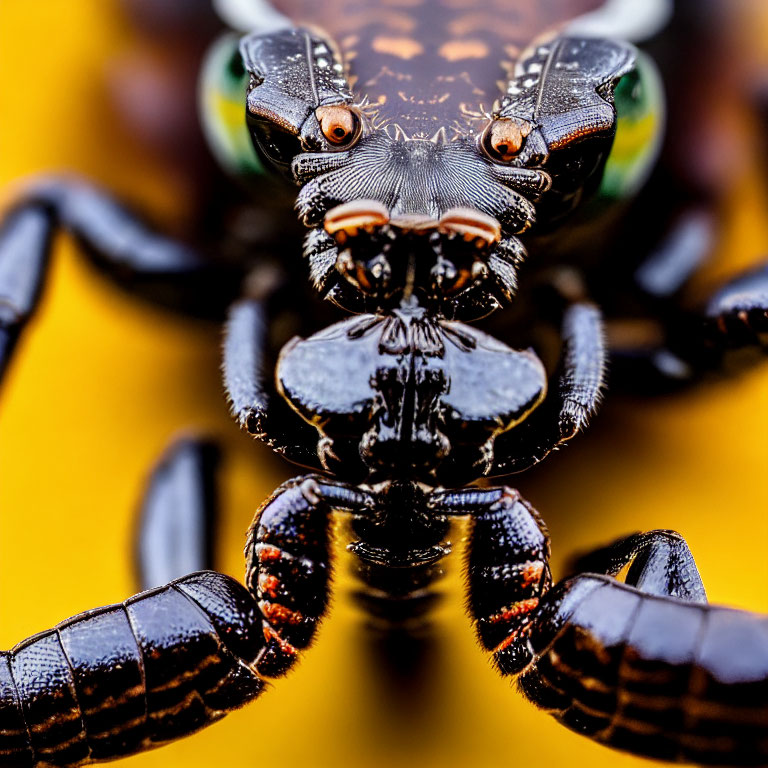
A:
[339,124]
[503,139]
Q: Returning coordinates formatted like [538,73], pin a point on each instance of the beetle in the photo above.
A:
[457,220]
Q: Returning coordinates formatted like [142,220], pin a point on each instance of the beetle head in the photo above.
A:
[436,213]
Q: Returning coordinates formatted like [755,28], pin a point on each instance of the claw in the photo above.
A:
[325,452]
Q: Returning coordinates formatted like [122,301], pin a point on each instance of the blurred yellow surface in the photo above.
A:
[102,381]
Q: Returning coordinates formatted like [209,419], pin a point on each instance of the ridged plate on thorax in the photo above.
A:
[413,371]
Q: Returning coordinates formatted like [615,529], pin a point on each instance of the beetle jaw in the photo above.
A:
[365,259]
[394,218]
[381,253]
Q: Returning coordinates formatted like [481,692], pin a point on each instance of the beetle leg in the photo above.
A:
[737,314]
[288,564]
[165,663]
[127,677]
[25,238]
[660,563]
[115,239]
[574,400]
[677,255]
[507,567]
[251,390]
[686,344]
[645,320]
[176,526]
[669,342]
[648,666]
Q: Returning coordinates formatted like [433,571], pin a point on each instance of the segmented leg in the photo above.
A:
[660,563]
[507,568]
[737,314]
[128,677]
[640,344]
[124,678]
[251,388]
[733,320]
[685,247]
[115,239]
[176,526]
[672,344]
[288,566]
[648,666]
[566,410]
[25,238]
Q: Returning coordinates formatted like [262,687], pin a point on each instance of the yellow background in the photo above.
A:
[102,381]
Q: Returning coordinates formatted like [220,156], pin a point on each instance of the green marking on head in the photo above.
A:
[221,101]
[640,108]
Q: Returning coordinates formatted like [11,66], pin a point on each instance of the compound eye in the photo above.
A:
[504,138]
[339,124]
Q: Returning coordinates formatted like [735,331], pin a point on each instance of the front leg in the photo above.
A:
[165,663]
[646,666]
[250,386]
[572,400]
[507,567]
[660,563]
[288,565]
[127,677]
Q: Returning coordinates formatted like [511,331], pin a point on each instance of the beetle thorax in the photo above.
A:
[408,395]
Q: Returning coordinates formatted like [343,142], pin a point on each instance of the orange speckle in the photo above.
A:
[456,50]
[572,137]
[531,573]
[267,553]
[506,642]
[275,613]
[268,584]
[285,646]
[401,47]
[516,609]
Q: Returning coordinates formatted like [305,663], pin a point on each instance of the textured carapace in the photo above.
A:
[432,65]
[409,395]
[390,147]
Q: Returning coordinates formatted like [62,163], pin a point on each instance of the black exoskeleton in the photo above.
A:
[418,195]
